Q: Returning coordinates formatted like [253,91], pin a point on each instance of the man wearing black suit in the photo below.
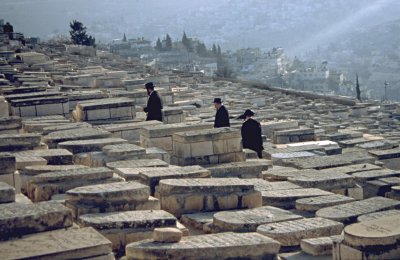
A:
[251,133]
[222,115]
[154,104]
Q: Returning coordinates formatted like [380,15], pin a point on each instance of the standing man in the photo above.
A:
[222,115]
[251,133]
[154,104]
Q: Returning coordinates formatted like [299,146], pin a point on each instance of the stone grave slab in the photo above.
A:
[318,246]
[246,169]
[379,144]
[286,199]
[15,142]
[54,138]
[152,177]
[350,169]
[200,221]
[263,185]
[278,173]
[105,109]
[290,233]
[7,193]
[43,186]
[132,174]
[384,231]
[213,246]
[122,228]
[124,151]
[315,203]
[249,219]
[52,156]
[137,163]
[18,219]
[90,145]
[157,153]
[24,161]
[386,154]
[350,211]
[83,243]
[375,174]
[7,163]
[324,181]
[379,214]
[182,196]
[67,126]
[129,131]
[379,187]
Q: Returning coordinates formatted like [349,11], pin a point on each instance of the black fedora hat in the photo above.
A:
[217,100]
[149,85]
[246,113]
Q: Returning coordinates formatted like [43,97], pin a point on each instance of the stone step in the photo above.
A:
[290,233]
[214,246]
[83,243]
[349,212]
[286,199]
[248,220]
[17,219]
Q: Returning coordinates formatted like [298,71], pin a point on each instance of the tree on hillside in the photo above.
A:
[187,42]
[214,49]
[158,45]
[358,90]
[124,38]
[218,51]
[168,43]
[79,35]
[201,50]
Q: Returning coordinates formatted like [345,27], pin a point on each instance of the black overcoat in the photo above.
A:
[222,118]
[154,107]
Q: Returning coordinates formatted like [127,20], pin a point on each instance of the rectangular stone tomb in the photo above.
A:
[350,169]
[7,193]
[54,138]
[293,136]
[161,135]
[43,186]
[209,146]
[40,106]
[379,187]
[90,145]
[386,154]
[132,173]
[7,163]
[137,163]
[249,219]
[286,199]
[83,243]
[319,246]
[105,109]
[247,169]
[129,131]
[278,173]
[173,115]
[290,233]
[124,151]
[379,214]
[325,181]
[110,197]
[323,162]
[17,219]
[14,142]
[349,212]
[53,127]
[315,203]
[153,177]
[52,156]
[374,239]
[122,228]
[375,174]
[214,246]
[263,185]
[181,196]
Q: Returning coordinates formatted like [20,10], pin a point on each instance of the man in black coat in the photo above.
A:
[222,115]
[251,133]
[154,104]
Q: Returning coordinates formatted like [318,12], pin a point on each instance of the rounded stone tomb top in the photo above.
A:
[381,231]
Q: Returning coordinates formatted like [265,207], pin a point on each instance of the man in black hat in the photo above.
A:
[154,104]
[251,133]
[222,115]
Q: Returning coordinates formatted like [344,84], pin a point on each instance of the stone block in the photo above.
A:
[167,235]
[7,193]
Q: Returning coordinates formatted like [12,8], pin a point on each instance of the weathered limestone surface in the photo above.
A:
[137,163]
[18,219]
[286,199]
[90,145]
[43,186]
[181,196]
[124,151]
[153,176]
[324,181]
[318,246]
[350,211]
[167,235]
[132,173]
[7,193]
[122,228]
[52,156]
[249,219]
[316,203]
[129,131]
[81,243]
[293,135]
[105,109]
[290,233]
[7,163]
[263,185]
[54,138]
[379,214]
[375,174]
[247,169]
[14,142]
[386,154]
[214,246]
